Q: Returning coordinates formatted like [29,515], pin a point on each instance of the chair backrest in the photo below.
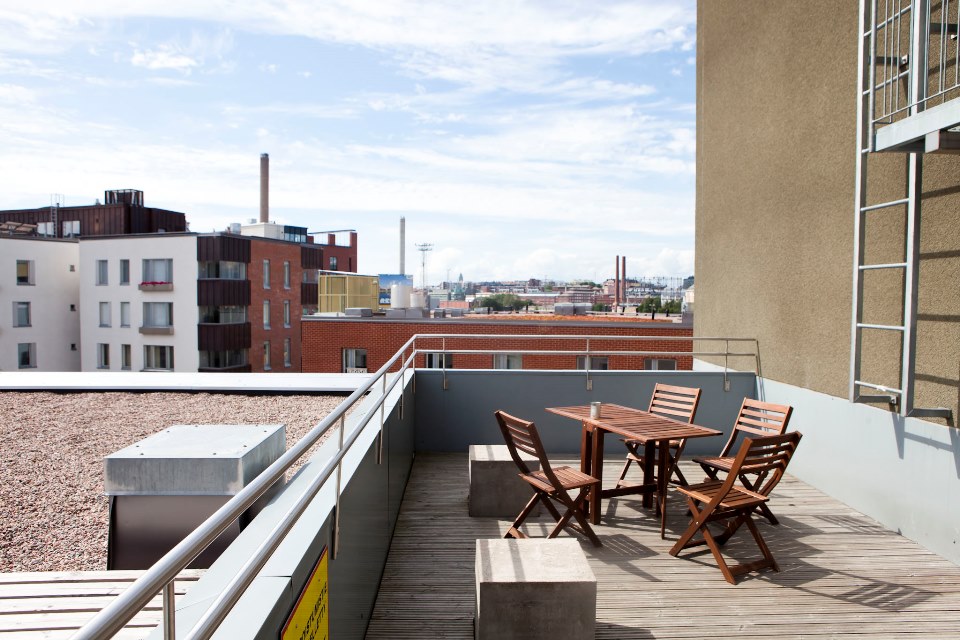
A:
[679,403]
[766,457]
[522,436]
[757,418]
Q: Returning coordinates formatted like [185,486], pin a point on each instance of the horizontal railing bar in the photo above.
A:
[115,615]
[592,352]
[526,336]
[218,610]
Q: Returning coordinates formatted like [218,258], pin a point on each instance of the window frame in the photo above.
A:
[502,361]
[19,305]
[150,351]
[266,273]
[656,361]
[124,271]
[124,314]
[266,355]
[594,360]
[31,352]
[103,355]
[102,273]
[287,352]
[106,314]
[266,315]
[433,360]
[286,274]
[28,280]
[149,315]
[126,357]
[349,358]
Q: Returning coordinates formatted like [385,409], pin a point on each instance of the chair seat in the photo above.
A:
[736,498]
[717,462]
[569,477]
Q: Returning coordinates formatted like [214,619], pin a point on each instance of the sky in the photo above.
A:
[519,139]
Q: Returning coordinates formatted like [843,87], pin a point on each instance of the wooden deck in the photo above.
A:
[842,574]
[54,605]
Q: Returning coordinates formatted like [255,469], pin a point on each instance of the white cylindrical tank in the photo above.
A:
[399,295]
[418,300]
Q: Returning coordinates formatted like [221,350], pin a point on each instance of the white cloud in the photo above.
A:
[163,58]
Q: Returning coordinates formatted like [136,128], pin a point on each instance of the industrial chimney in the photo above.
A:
[403,245]
[264,188]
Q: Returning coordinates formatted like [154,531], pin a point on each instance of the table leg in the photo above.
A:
[662,483]
[649,452]
[586,460]
[596,472]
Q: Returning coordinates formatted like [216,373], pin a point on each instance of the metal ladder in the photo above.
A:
[870,29]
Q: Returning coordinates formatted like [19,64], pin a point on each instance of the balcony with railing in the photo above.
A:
[384,501]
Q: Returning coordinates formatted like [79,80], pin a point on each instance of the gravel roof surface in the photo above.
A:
[53,514]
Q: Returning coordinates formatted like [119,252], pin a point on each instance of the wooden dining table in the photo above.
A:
[654,433]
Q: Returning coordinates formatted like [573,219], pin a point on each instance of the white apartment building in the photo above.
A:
[139,309]
[40,330]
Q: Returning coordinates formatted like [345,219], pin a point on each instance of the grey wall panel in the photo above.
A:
[453,419]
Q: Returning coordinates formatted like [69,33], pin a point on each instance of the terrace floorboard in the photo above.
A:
[841,574]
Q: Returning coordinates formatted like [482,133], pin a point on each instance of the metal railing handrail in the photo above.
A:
[159,578]
[112,618]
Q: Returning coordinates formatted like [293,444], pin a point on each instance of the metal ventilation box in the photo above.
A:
[164,486]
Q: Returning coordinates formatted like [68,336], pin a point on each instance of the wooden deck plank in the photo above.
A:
[842,575]
[51,606]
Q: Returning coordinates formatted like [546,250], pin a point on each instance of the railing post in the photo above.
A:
[169,612]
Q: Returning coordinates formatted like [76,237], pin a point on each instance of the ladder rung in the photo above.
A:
[879,387]
[931,412]
[884,205]
[885,327]
[892,265]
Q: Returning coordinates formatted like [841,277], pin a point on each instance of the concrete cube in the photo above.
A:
[534,589]
[496,489]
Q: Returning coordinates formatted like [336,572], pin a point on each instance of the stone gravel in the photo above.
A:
[53,514]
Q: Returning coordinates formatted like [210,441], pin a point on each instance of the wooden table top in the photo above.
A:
[635,424]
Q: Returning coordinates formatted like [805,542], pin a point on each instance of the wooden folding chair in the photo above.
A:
[548,484]
[715,501]
[756,418]
[679,403]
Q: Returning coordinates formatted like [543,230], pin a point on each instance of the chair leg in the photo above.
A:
[514,530]
[631,449]
[715,549]
[676,471]
[764,549]
[692,528]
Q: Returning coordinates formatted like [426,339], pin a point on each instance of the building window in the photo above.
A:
[46,229]
[354,360]
[223,270]
[24,272]
[103,356]
[224,314]
[73,346]
[104,314]
[157,271]
[266,314]
[27,355]
[287,357]
[124,314]
[73,307]
[223,359]
[71,228]
[73,268]
[439,361]
[286,275]
[508,361]
[333,263]
[597,363]
[102,272]
[157,358]
[266,274]
[157,314]
[659,364]
[286,314]
[124,271]
[21,314]
[266,355]
[125,357]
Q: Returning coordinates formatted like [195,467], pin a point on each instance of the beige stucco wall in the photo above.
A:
[776,151]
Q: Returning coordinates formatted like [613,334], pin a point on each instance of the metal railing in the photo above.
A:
[911,37]
[159,578]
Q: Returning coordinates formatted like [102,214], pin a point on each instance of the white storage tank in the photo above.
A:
[418,300]
[399,295]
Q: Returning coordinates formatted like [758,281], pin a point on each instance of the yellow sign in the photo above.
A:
[310,616]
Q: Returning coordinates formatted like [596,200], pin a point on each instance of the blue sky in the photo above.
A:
[521,139]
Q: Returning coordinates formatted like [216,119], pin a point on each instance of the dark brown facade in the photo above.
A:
[122,214]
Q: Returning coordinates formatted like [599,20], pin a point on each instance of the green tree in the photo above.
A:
[504,301]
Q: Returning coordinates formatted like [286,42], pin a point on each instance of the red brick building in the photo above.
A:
[333,345]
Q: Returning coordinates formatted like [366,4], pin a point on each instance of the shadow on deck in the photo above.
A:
[841,574]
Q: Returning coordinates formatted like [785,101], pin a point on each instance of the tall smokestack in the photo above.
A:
[403,245]
[264,187]
[623,277]
[616,283]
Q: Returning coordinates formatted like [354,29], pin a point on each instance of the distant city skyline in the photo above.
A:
[530,140]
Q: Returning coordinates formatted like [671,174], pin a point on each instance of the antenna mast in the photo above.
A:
[423,248]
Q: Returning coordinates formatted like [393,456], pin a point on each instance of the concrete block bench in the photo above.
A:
[496,489]
[534,589]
